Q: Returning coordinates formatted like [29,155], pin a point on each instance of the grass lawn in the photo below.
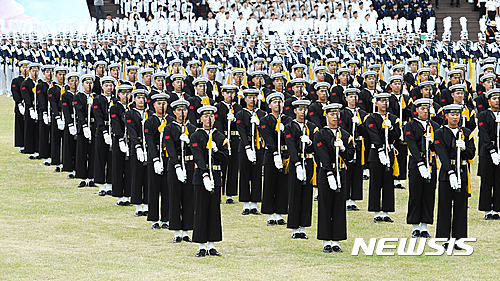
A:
[50,229]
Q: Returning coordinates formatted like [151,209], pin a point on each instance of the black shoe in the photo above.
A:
[399,186]
[102,193]
[296,236]
[388,219]
[456,247]
[425,234]
[71,176]
[281,222]
[452,5]
[187,239]
[488,217]
[57,170]
[92,184]
[155,225]
[127,203]
[213,252]
[230,201]
[378,219]
[458,5]
[437,7]
[178,239]
[415,234]
[21,151]
[316,198]
[32,157]
[119,203]
[327,249]
[365,177]
[355,208]
[245,212]
[336,249]
[348,208]
[82,184]
[201,253]
[303,236]
[46,164]
[496,217]
[144,213]
[254,212]
[271,222]
[109,192]
[138,214]
[164,225]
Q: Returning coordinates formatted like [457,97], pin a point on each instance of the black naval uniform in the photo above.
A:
[489,195]
[134,121]
[44,129]
[354,173]
[207,220]
[403,103]
[120,159]
[448,199]
[195,102]
[275,189]
[250,172]
[316,113]
[422,191]
[69,140]
[18,117]
[55,99]
[181,196]
[103,151]
[30,125]
[157,184]
[84,164]
[300,193]
[331,204]
[230,170]
[381,177]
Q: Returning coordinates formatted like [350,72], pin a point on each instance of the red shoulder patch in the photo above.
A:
[191,107]
[168,84]
[288,136]
[195,144]
[340,121]
[146,130]
[167,137]
[408,133]
[50,95]
[319,144]
[23,88]
[287,108]
[129,121]
[216,115]
[442,100]
[268,86]
[13,86]
[311,113]
[334,94]
[113,115]
[263,126]
[38,92]
[436,141]
[479,105]
[65,103]
[480,123]
[238,121]
[371,125]
[95,106]
[75,102]
[360,101]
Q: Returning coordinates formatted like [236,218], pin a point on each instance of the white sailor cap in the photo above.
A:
[457,88]
[455,72]
[200,81]
[460,66]
[298,82]
[194,62]
[58,69]
[276,61]
[180,103]
[73,74]
[108,79]
[490,60]
[132,68]
[332,107]
[229,88]
[351,62]
[382,96]
[124,88]
[299,66]
[114,65]
[177,76]
[423,102]
[322,86]
[24,62]
[493,93]
[140,93]
[398,67]
[488,77]
[278,76]
[369,73]
[47,66]
[258,73]
[332,60]
[275,96]
[238,71]
[395,78]
[351,91]
[320,68]
[176,61]
[159,97]
[425,84]
[100,63]
[424,70]
[207,109]
[488,67]
[147,71]
[452,108]
[374,66]
[344,70]
[159,74]
[301,103]
[412,60]
[251,92]
[212,67]
[34,65]
[85,77]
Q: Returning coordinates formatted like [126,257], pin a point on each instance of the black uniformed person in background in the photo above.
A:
[69,137]
[31,104]
[43,114]
[333,147]
[20,108]
[419,136]
[210,150]
[54,96]
[315,110]
[454,180]
[199,99]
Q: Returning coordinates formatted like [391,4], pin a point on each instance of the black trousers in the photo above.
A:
[275,191]
[332,223]
[450,201]
[181,201]
[489,194]
[250,179]
[421,198]
[30,134]
[43,138]
[230,173]
[18,127]
[381,186]
[207,226]
[157,186]
[300,198]
[138,180]
[102,161]
[402,157]
[55,142]
[354,180]
[84,165]
[120,171]
[69,151]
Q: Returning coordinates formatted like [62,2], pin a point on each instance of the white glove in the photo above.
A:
[429,139]
[332,182]
[33,114]
[497,118]
[306,139]
[72,129]
[281,127]
[495,158]
[301,173]
[86,131]
[388,123]
[340,144]
[355,120]
[438,80]
[208,183]
[259,97]
[424,171]
[214,147]
[60,123]
[379,89]
[107,137]
[453,181]
[184,138]
[355,83]
[255,120]
[140,154]
[230,117]
[461,144]
[251,155]
[181,174]
[46,119]
[90,101]
[123,145]
[20,106]
[278,163]
[158,167]
[383,158]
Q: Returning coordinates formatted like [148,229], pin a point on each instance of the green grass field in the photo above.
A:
[51,230]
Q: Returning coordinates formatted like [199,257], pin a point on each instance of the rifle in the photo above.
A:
[337,155]
[458,163]
[386,136]
[427,152]
[144,135]
[161,135]
[48,102]
[253,128]
[279,132]
[210,151]
[89,109]
[304,133]
[183,162]
[354,128]
[229,125]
